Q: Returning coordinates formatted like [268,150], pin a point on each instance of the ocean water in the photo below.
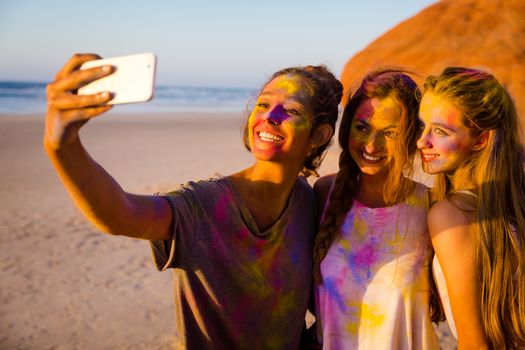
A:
[30,98]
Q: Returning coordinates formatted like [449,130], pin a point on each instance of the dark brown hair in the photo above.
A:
[380,84]
[327,93]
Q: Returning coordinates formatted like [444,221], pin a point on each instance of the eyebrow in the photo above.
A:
[392,126]
[443,125]
[294,99]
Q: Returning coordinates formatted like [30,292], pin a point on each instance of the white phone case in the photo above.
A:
[132,81]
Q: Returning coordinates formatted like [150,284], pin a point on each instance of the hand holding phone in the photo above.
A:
[133,80]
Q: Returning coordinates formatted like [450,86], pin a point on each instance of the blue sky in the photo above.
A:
[230,43]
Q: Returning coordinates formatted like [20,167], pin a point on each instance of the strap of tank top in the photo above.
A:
[332,185]
[467,192]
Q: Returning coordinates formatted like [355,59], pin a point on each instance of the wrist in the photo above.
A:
[54,144]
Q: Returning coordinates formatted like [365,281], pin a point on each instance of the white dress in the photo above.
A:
[375,286]
[441,285]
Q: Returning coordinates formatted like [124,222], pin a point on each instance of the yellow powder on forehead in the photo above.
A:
[381,113]
[388,105]
[292,84]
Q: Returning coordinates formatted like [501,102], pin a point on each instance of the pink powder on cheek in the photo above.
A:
[451,147]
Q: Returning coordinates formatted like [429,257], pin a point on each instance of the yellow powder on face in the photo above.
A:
[289,84]
[293,84]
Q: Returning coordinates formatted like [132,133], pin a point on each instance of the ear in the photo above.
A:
[481,141]
[321,135]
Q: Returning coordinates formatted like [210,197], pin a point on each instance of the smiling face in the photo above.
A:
[445,141]
[280,124]
[372,134]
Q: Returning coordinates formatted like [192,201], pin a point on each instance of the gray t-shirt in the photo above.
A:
[236,287]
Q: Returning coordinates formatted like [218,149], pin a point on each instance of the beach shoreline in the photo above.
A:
[64,284]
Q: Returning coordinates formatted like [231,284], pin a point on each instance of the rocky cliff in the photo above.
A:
[488,34]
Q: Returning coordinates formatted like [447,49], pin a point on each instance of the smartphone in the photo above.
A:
[132,81]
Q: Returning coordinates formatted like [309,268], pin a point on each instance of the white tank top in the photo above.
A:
[439,278]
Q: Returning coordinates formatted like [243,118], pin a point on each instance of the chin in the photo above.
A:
[431,170]
[372,171]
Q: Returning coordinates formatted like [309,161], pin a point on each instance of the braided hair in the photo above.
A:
[380,84]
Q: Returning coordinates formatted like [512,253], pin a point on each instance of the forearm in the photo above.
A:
[91,187]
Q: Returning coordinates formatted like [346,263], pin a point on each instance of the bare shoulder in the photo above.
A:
[445,213]
[323,184]
[449,224]
[322,188]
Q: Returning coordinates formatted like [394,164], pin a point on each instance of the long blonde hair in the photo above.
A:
[497,171]
[380,84]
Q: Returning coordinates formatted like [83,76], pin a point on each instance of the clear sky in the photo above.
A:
[230,43]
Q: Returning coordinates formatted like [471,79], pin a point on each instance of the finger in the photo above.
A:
[73,101]
[74,63]
[86,113]
[77,79]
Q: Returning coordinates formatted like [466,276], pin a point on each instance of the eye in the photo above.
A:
[440,132]
[389,134]
[292,111]
[263,104]
[360,127]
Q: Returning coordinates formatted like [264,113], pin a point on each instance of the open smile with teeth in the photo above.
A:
[266,136]
[428,157]
[370,157]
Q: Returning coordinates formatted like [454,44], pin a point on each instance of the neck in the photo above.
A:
[271,172]
[461,179]
[370,190]
[265,188]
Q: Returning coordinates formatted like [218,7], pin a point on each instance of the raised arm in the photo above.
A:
[92,188]
[454,239]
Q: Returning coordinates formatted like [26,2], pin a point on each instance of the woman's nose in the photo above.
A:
[276,115]
[423,141]
[374,143]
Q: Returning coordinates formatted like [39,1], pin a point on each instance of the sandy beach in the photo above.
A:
[64,284]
